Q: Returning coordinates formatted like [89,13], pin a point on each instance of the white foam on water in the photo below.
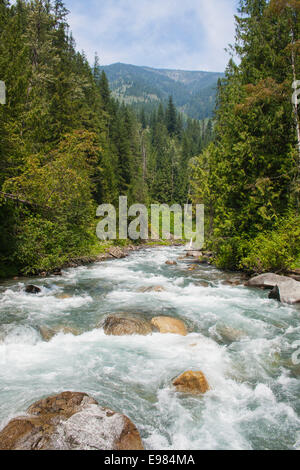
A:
[254,398]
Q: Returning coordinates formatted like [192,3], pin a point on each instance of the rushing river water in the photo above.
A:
[254,401]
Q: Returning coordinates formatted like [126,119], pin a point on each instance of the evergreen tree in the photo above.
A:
[254,159]
[171,118]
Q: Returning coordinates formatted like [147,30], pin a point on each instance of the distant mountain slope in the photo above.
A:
[193,92]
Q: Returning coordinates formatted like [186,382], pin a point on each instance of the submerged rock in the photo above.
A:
[48,333]
[203,284]
[171,263]
[169,325]
[70,421]
[229,334]
[152,289]
[123,324]
[31,289]
[192,382]
[63,296]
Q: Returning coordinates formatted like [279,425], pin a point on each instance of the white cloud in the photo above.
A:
[158,33]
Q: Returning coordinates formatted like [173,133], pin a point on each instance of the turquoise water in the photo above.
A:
[255,388]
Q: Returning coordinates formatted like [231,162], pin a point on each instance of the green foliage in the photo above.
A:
[249,178]
[42,245]
[66,145]
[276,250]
[230,252]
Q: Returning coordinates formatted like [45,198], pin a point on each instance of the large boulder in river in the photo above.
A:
[169,325]
[285,289]
[287,292]
[192,382]
[267,281]
[123,324]
[70,421]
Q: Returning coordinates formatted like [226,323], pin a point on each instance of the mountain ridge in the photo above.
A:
[193,91]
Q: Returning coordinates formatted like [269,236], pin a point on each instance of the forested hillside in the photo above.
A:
[66,145]
[249,178]
[194,93]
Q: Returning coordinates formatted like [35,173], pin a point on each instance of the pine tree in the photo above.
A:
[171,118]
[105,91]
[253,161]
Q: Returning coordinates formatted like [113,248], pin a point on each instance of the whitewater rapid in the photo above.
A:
[254,401]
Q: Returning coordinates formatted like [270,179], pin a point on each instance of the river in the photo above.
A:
[254,401]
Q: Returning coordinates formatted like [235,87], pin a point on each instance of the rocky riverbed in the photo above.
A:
[185,356]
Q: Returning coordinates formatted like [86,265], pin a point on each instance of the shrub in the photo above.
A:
[276,250]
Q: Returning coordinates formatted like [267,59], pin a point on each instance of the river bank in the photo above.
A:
[106,252]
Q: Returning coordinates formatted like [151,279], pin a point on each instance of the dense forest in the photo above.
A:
[66,145]
[249,178]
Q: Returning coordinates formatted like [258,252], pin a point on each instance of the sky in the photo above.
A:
[176,34]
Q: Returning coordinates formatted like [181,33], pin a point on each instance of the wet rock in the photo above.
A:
[229,334]
[117,253]
[275,294]
[199,257]
[288,292]
[203,284]
[295,370]
[152,289]
[194,254]
[31,289]
[171,263]
[64,404]
[169,325]
[123,324]
[70,421]
[103,257]
[267,281]
[232,282]
[48,333]
[192,382]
